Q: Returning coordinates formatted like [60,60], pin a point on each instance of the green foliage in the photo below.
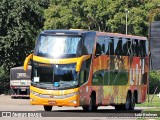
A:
[2,72]
[152,102]
[4,82]
[64,15]
[5,85]
[102,15]
[20,22]
[154,81]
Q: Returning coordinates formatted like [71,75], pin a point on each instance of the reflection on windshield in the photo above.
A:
[56,45]
[63,74]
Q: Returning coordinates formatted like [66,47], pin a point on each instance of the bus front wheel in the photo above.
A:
[92,104]
[47,108]
[118,107]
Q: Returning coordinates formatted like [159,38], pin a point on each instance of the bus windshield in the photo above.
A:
[46,75]
[56,46]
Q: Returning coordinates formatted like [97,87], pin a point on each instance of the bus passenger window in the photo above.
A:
[143,48]
[146,48]
[110,47]
[115,45]
[98,49]
[88,45]
[129,47]
[118,46]
[98,78]
[135,47]
[124,46]
[106,44]
[100,45]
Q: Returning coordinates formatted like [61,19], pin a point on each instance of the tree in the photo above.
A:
[64,14]
[154,10]
[101,15]
[20,22]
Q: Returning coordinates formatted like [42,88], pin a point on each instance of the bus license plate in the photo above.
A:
[52,102]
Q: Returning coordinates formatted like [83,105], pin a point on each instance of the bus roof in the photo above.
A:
[70,32]
[121,35]
[81,32]
[20,67]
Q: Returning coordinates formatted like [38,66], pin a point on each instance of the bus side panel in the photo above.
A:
[108,79]
[113,90]
[117,95]
[84,95]
[139,77]
[110,95]
[142,93]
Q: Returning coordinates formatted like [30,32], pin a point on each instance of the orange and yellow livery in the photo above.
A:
[88,69]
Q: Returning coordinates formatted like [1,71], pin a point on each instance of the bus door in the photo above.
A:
[85,72]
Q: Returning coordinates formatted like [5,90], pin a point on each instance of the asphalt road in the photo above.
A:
[24,109]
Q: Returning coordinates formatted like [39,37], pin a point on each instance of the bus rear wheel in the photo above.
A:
[132,103]
[92,104]
[127,105]
[47,108]
[118,107]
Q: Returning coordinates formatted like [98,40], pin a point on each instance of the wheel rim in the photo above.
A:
[90,105]
[127,102]
[133,102]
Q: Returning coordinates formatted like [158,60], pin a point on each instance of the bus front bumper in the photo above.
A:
[70,100]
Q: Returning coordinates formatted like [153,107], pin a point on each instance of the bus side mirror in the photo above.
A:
[25,66]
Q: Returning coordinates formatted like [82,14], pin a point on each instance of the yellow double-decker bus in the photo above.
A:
[88,69]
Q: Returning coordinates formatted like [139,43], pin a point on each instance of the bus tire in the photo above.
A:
[126,106]
[118,107]
[92,104]
[47,108]
[95,108]
[132,103]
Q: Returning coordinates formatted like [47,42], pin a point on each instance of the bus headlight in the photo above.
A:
[34,93]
